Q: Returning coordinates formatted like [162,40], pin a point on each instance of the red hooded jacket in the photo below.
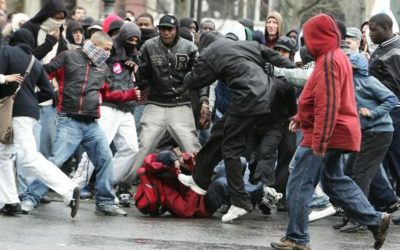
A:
[327,108]
[178,199]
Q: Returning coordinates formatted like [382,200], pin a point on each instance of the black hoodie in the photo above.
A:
[49,8]
[71,28]
[15,60]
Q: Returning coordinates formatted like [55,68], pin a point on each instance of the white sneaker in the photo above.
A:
[27,206]
[271,194]
[188,181]
[233,213]
[317,214]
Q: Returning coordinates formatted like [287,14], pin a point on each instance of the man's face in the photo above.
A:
[353,43]
[168,35]
[78,36]
[207,27]
[79,14]
[192,27]
[377,33]
[284,53]
[144,23]
[272,26]
[133,40]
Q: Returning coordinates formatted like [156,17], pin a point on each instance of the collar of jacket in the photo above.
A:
[391,40]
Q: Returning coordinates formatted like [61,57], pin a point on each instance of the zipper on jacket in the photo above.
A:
[83,88]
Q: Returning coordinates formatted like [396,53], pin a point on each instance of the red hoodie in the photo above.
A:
[327,108]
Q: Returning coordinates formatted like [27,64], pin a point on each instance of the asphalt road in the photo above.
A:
[50,227]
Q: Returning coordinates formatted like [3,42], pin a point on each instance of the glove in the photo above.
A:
[269,69]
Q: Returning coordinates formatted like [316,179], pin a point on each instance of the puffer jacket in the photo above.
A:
[327,108]
[239,64]
[162,69]
[82,85]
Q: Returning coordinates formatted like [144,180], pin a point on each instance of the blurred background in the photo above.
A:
[224,12]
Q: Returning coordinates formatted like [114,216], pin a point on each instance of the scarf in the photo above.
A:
[97,55]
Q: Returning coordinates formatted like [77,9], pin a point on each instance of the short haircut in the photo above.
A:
[100,38]
[207,21]
[77,8]
[148,15]
[382,20]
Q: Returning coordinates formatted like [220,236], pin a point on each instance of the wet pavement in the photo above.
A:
[50,227]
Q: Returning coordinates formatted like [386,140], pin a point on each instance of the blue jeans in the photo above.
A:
[71,133]
[381,193]
[341,189]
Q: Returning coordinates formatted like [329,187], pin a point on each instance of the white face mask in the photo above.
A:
[51,24]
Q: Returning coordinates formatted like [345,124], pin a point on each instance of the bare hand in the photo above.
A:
[205,116]
[319,154]
[132,65]
[14,78]
[365,112]
[294,126]
[55,33]
[137,92]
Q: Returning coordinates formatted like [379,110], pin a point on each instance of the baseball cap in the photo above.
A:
[286,43]
[168,21]
[353,32]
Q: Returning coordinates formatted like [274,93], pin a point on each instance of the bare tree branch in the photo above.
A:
[307,8]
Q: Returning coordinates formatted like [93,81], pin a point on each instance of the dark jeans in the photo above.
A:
[341,189]
[228,140]
[265,155]
[381,193]
[393,154]
[286,150]
[363,166]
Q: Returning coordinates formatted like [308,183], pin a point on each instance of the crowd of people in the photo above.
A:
[197,121]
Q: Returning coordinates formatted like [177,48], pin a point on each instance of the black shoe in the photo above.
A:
[124,200]
[380,231]
[11,209]
[345,221]
[339,211]
[45,200]
[394,207]
[224,208]
[74,204]
[352,227]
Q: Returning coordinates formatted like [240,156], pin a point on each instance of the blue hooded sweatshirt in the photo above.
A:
[373,95]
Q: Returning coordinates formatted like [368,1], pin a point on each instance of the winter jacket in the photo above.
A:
[49,8]
[122,77]
[327,108]
[82,86]
[162,70]
[239,64]
[385,64]
[15,60]
[179,200]
[373,95]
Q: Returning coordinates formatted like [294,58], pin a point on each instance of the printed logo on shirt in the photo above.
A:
[117,68]
[181,61]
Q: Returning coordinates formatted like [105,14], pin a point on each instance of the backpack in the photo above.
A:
[148,198]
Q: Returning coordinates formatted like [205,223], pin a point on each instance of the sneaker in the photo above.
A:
[124,200]
[380,231]
[224,208]
[110,210]
[352,227]
[45,200]
[269,200]
[233,213]
[339,211]
[188,181]
[27,206]
[345,221]
[11,209]
[288,244]
[394,207]
[74,203]
[86,193]
[319,213]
